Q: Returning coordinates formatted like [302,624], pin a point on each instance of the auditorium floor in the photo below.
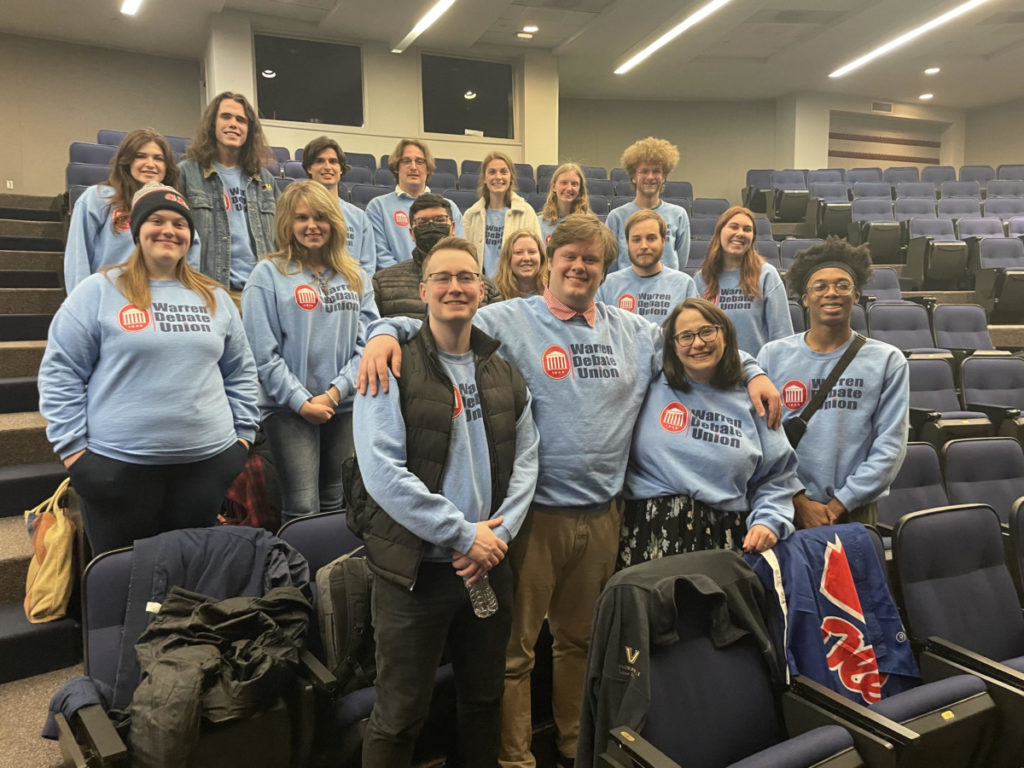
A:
[23,706]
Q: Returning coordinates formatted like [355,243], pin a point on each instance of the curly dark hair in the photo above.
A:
[833,249]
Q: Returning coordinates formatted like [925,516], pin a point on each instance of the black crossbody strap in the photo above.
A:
[820,396]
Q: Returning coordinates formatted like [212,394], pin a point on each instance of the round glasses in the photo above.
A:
[707,334]
[820,287]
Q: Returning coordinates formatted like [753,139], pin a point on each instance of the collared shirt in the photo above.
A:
[562,312]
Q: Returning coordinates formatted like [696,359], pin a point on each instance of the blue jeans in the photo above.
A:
[308,460]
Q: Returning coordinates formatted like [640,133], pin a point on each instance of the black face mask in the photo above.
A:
[429,234]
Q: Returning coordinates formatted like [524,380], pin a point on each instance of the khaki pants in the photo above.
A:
[561,559]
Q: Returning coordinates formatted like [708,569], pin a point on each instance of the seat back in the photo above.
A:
[1004,208]
[918,485]
[904,325]
[357,174]
[769,251]
[952,575]
[872,209]
[788,249]
[86,174]
[962,326]
[978,227]
[825,175]
[970,189]
[524,170]
[470,166]
[468,180]
[1016,226]
[872,189]
[931,384]
[112,138]
[446,165]
[788,179]
[702,227]
[1001,253]
[709,207]
[855,175]
[884,285]
[293,170]
[698,252]
[105,585]
[463,198]
[759,178]
[441,180]
[362,159]
[984,470]
[937,229]
[600,187]
[829,191]
[320,538]
[594,172]
[383,177]
[599,205]
[937,174]
[958,208]
[546,169]
[678,189]
[920,189]
[907,208]
[901,174]
[796,314]
[1005,188]
[993,380]
[364,193]
[982,174]
[98,154]
[1011,172]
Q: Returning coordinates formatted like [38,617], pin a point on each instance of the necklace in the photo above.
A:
[321,282]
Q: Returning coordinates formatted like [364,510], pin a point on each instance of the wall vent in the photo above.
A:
[881,106]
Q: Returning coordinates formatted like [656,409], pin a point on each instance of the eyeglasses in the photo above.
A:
[445,278]
[412,161]
[442,219]
[820,287]
[707,334]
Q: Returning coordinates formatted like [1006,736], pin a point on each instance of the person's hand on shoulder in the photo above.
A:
[379,353]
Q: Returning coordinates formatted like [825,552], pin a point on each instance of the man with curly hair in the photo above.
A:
[854,443]
[648,163]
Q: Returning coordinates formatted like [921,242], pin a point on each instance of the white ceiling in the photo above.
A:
[750,49]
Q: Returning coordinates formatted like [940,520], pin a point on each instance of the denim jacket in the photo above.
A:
[205,194]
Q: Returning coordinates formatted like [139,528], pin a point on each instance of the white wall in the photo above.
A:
[55,93]
[995,135]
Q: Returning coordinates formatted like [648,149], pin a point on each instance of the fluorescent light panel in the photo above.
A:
[423,24]
[905,38]
[130,7]
[672,34]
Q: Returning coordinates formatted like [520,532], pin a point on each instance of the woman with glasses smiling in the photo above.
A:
[704,471]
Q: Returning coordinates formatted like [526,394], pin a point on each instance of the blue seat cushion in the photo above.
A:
[929,697]
[806,749]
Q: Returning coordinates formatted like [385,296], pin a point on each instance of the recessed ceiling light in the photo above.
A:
[423,24]
[672,34]
[531,28]
[926,96]
[906,37]
[129,7]
[469,95]
[932,71]
[524,35]
[269,74]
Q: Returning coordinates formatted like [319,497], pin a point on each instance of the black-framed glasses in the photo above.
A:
[445,278]
[441,219]
[707,334]
[412,161]
[842,287]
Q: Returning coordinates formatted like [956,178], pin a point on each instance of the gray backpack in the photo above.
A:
[343,603]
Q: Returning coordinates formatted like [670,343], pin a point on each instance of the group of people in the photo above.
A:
[524,415]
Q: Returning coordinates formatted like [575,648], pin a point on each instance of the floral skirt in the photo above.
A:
[672,525]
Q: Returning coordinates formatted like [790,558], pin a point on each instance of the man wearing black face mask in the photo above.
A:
[397,288]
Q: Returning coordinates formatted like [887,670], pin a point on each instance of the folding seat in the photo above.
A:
[364,193]
[383,163]
[616,200]
[441,180]
[918,485]
[937,174]
[547,170]
[959,207]
[470,166]
[796,314]
[698,252]
[982,174]
[972,230]
[907,208]
[298,153]
[463,198]
[678,189]
[599,205]
[524,170]
[753,195]
[769,251]
[936,415]
[293,170]
[594,172]
[964,188]
[884,285]
[357,174]
[763,227]
[1004,208]
[86,174]
[829,191]
[97,154]
[111,138]
[1015,547]
[702,228]
[468,180]
[709,207]
[1010,172]
[525,185]
[825,175]
[984,470]
[854,175]
[600,187]
[961,609]
[179,145]
[75,191]
[535,199]
[829,208]
[994,385]
[874,224]
[872,190]
[963,329]
[901,174]
[1015,226]
[999,281]
[446,165]
[921,189]
[622,187]
[905,325]
[282,182]
[859,319]
[713,699]
[683,202]
[787,198]
[282,155]
[617,174]
[383,177]
[1005,188]
[543,183]
[788,249]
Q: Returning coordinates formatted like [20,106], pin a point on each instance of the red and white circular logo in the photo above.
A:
[556,362]
[126,222]
[306,297]
[227,202]
[627,302]
[794,394]
[458,403]
[546,239]
[402,218]
[675,417]
[131,318]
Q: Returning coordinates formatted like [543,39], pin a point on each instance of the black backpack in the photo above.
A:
[343,590]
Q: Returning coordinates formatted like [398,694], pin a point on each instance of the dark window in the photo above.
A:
[308,82]
[462,95]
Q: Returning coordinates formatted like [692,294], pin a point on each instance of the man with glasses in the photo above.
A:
[412,164]
[854,443]
[449,458]
[396,288]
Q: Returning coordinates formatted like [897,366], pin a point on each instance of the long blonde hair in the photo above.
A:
[714,261]
[321,203]
[133,281]
[580,205]
[506,279]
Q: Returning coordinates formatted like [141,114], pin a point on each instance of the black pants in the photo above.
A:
[122,502]
[412,630]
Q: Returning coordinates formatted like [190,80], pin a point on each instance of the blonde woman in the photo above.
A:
[522,266]
[306,309]
[568,194]
[498,213]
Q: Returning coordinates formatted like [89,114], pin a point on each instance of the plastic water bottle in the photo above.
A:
[481,595]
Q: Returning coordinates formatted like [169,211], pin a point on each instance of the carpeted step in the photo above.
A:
[23,439]
[23,214]
[30,301]
[29,278]
[51,261]
[31,649]
[38,203]
[20,358]
[47,230]
[23,328]
[11,243]
[943,297]
[23,486]
[15,551]
[19,393]
[1007,335]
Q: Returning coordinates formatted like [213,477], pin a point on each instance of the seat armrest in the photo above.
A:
[975,662]
[93,729]
[857,714]
[315,672]
[628,749]
[996,413]
[921,416]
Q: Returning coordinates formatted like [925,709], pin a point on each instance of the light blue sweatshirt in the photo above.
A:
[653,297]
[446,520]
[304,341]
[92,241]
[855,443]
[677,237]
[169,385]
[359,242]
[389,217]
[710,445]
[757,321]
